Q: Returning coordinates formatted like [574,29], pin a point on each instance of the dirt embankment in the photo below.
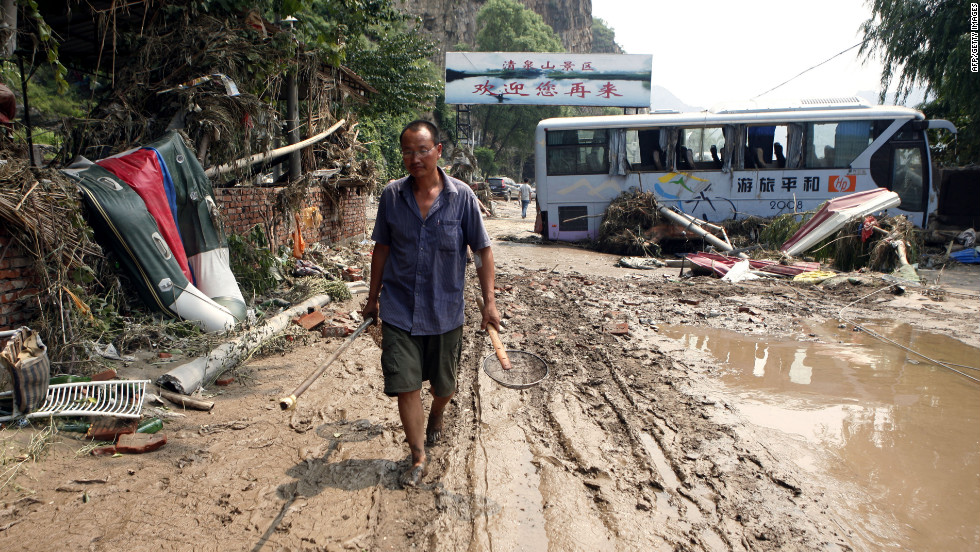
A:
[628,445]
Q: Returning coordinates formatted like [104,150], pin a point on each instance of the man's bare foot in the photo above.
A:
[414,474]
[433,431]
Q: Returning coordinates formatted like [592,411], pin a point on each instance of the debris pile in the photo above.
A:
[637,224]
[632,226]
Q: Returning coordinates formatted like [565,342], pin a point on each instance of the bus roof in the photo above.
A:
[748,114]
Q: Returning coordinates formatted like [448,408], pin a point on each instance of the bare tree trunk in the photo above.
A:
[8,27]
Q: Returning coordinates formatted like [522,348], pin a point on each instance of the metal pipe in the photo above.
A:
[27,112]
[288,403]
[292,125]
[689,225]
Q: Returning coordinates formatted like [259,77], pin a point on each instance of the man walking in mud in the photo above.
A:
[424,224]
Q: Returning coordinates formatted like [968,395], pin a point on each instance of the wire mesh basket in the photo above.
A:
[526,369]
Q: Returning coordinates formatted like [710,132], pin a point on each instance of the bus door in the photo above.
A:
[902,165]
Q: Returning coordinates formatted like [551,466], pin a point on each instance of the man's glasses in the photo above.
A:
[420,153]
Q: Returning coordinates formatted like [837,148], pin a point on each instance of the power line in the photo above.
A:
[810,69]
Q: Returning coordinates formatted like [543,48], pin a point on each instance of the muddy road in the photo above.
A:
[657,438]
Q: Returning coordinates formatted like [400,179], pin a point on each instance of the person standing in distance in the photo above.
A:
[525,191]
[424,224]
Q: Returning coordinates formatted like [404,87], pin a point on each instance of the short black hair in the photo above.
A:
[418,125]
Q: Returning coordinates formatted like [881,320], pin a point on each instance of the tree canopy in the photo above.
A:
[604,38]
[927,42]
[380,44]
[507,26]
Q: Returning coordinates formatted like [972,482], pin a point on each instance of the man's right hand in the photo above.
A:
[370,310]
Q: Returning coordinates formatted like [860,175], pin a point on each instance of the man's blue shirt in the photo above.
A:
[424,276]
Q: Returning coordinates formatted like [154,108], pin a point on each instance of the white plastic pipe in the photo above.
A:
[690,225]
[260,157]
[189,377]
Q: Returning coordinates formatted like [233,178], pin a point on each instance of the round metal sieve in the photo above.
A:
[527,369]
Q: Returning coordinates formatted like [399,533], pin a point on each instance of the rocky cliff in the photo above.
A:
[450,22]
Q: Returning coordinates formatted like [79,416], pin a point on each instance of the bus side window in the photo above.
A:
[828,156]
[838,143]
[764,146]
[777,149]
[647,154]
[698,148]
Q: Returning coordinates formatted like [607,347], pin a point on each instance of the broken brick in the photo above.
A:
[228,380]
[311,320]
[353,274]
[335,331]
[138,443]
[163,354]
[617,328]
[105,376]
[109,429]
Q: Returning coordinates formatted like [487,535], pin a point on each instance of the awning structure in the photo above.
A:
[835,214]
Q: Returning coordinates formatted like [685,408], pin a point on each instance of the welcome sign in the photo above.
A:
[535,78]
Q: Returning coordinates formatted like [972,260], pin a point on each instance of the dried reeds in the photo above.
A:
[40,209]
[624,226]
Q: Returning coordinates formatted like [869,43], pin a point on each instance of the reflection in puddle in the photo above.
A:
[905,431]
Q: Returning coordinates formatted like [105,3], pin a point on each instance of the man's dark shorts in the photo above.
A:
[407,360]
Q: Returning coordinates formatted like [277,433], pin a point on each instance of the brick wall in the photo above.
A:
[343,212]
[18,284]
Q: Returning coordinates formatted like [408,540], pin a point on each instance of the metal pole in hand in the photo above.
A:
[288,403]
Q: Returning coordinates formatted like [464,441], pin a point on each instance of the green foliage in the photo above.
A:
[604,38]
[486,160]
[380,44]
[508,130]
[379,134]
[253,263]
[389,51]
[48,42]
[927,42]
[445,117]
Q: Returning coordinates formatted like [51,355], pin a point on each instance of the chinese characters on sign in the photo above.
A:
[548,79]
[842,183]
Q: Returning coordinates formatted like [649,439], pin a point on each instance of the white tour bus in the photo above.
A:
[732,163]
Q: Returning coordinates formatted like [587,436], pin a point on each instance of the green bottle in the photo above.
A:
[75,427]
[65,378]
[151,425]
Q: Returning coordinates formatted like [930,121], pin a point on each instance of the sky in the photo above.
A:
[711,52]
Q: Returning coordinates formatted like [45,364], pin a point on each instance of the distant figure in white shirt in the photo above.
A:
[525,191]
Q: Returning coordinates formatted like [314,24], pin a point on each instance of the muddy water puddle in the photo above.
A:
[901,430]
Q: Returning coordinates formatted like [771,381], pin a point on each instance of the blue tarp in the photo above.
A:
[967,256]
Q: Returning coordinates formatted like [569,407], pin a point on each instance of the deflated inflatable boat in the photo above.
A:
[153,206]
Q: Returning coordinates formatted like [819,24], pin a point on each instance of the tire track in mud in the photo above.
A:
[625,454]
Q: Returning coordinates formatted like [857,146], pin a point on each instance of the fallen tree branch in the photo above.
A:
[185,401]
